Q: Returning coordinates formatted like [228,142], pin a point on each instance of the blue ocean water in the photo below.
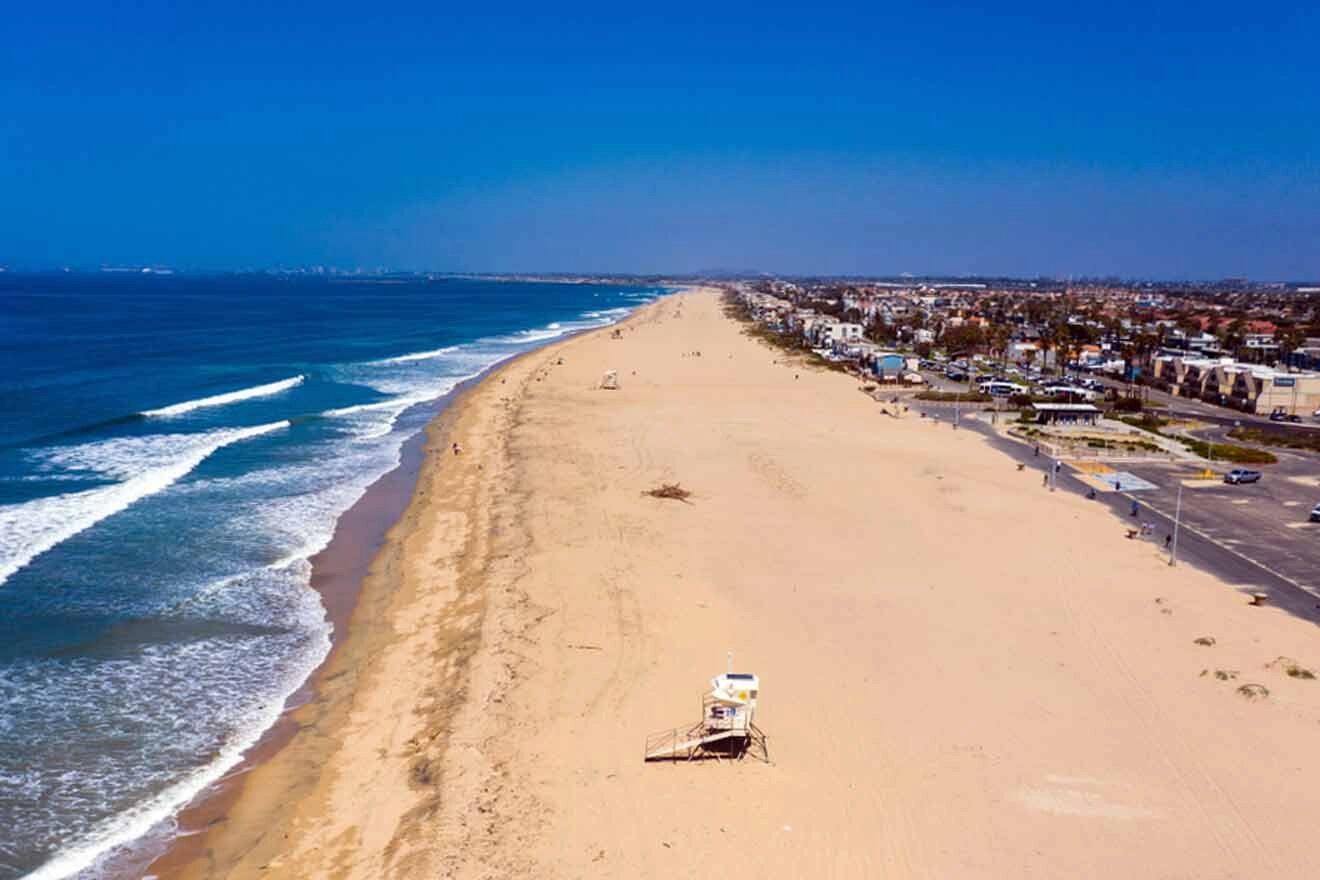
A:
[173,449]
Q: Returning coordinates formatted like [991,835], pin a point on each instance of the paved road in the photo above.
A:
[1255,537]
[1178,406]
[1265,522]
[1183,406]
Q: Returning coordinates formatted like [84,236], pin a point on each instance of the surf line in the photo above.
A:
[187,406]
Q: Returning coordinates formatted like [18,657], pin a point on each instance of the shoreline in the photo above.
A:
[1025,692]
[361,558]
[338,574]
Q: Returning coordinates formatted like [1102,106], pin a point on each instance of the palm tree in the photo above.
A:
[1235,335]
[1290,340]
[999,336]
[1061,339]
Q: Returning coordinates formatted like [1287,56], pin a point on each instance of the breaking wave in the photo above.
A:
[188,406]
[31,528]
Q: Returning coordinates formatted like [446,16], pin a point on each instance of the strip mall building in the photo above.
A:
[1247,387]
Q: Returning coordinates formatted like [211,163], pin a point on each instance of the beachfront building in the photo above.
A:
[1065,413]
[1264,390]
[841,332]
[889,365]
[1246,387]
[1199,378]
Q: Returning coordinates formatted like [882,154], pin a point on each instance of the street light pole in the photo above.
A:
[1177,519]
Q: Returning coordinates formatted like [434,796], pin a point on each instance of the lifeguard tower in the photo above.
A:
[727,728]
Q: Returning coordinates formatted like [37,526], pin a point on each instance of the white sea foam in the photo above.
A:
[145,466]
[377,406]
[419,355]
[373,420]
[135,823]
[188,406]
[549,331]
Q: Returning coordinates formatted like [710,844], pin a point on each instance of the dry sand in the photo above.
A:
[962,675]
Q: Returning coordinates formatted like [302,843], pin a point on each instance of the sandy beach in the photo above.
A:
[962,674]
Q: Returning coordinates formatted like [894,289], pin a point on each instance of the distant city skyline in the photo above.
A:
[1169,142]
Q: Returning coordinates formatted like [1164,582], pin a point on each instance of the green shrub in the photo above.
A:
[1286,439]
[951,396]
[1219,451]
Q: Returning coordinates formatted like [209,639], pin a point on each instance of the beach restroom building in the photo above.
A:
[1065,413]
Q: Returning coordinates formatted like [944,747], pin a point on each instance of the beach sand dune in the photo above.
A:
[963,675]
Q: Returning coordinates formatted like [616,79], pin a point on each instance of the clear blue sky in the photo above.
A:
[1176,139]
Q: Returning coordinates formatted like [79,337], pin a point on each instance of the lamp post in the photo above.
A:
[1177,519]
[957,390]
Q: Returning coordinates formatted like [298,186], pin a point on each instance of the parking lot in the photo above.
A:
[1265,522]
[1256,536]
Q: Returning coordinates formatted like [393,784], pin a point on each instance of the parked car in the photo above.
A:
[1315,513]
[1241,475]
[1294,418]
[1277,416]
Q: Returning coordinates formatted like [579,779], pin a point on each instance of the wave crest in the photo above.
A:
[31,528]
[188,406]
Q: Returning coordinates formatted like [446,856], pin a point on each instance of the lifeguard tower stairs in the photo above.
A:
[726,728]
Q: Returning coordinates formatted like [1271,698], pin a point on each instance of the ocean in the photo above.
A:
[173,450]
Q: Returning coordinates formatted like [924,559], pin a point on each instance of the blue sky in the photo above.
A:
[1171,140]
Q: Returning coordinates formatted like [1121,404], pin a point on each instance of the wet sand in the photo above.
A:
[339,573]
[962,675]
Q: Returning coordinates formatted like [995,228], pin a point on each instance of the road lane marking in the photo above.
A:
[1183,524]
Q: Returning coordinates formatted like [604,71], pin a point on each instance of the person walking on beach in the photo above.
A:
[1134,508]
[1168,539]
[457,448]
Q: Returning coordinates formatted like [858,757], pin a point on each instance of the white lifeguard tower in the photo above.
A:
[610,381]
[727,727]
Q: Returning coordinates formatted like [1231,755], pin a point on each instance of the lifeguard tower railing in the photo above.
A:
[716,735]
